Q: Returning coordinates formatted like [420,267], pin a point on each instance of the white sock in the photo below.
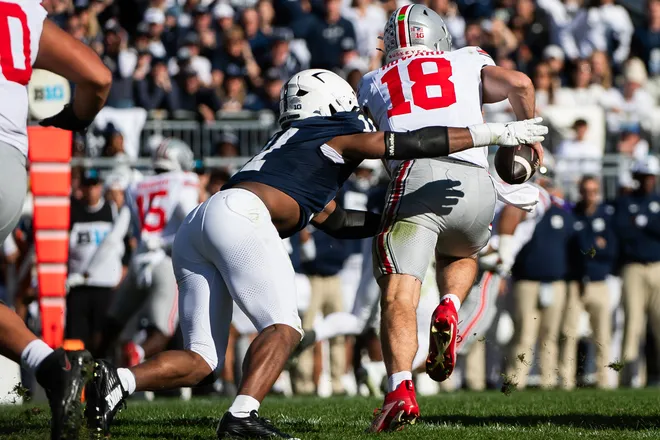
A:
[35,352]
[243,405]
[395,380]
[453,298]
[127,379]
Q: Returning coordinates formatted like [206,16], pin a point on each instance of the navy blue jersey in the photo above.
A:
[297,162]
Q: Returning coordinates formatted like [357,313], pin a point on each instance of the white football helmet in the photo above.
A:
[315,92]
[173,155]
[413,28]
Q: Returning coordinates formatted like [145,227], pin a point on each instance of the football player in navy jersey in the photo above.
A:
[229,248]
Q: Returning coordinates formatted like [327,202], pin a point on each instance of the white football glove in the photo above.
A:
[512,134]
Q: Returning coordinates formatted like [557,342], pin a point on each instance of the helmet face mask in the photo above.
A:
[315,92]
[414,28]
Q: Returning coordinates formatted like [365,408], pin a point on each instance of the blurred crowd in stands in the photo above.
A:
[596,68]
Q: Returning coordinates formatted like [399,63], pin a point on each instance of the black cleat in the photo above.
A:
[105,397]
[63,375]
[248,427]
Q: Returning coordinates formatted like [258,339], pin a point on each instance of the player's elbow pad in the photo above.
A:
[351,224]
[425,142]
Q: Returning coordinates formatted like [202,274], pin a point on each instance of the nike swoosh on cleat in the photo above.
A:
[383,414]
[114,397]
[67,363]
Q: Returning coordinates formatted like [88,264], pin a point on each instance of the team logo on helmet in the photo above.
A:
[416,35]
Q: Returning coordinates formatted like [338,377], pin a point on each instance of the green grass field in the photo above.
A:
[584,414]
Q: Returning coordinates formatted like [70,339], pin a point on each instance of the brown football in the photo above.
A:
[516,165]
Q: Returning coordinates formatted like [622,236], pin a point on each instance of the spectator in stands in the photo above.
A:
[538,297]
[601,70]
[554,56]
[196,98]
[189,54]
[368,20]
[268,97]
[266,16]
[114,142]
[634,104]
[121,61]
[237,57]
[203,27]
[474,36]
[280,57]
[171,34]
[89,23]
[324,38]
[141,39]
[583,92]
[592,256]
[234,92]
[610,30]
[158,92]
[259,43]
[143,66]
[631,145]
[500,36]
[646,43]
[155,18]
[534,26]
[448,10]
[201,18]
[224,18]
[75,28]
[637,223]
[546,85]
[580,148]
[227,145]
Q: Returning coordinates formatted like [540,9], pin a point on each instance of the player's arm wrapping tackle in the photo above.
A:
[347,223]
[437,141]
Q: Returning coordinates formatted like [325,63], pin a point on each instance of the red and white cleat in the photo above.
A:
[442,343]
[399,409]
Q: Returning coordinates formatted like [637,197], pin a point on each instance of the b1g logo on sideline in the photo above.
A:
[48,93]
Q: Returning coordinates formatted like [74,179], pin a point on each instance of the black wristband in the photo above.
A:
[66,120]
[425,142]
[351,224]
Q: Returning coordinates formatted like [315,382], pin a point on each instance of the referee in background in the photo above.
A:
[98,231]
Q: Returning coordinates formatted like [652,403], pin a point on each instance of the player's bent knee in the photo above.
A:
[207,357]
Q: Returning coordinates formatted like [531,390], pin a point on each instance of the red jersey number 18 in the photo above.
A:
[14,44]
[438,78]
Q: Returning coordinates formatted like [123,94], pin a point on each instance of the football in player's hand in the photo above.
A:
[516,165]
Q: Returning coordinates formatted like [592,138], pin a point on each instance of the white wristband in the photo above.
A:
[482,134]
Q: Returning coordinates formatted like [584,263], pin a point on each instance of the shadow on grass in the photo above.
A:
[586,421]
[199,422]
[295,425]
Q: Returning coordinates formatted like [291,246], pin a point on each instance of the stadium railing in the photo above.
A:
[251,132]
